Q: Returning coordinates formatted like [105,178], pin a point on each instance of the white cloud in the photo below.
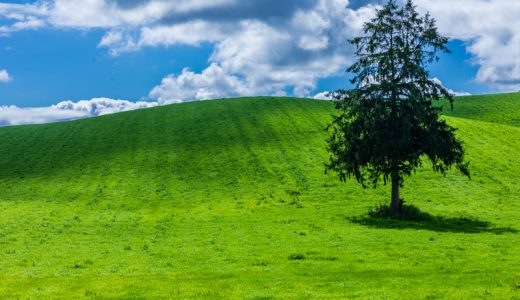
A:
[263,59]
[103,14]
[212,83]
[323,96]
[190,33]
[67,110]
[490,29]
[12,115]
[290,46]
[23,16]
[102,106]
[438,81]
[21,11]
[312,25]
[25,23]
[4,76]
[458,94]
[107,14]
[118,42]
[191,5]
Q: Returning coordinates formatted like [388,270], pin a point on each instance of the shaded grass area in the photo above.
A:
[411,216]
[229,199]
[435,223]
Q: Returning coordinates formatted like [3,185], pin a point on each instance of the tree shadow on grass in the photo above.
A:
[434,223]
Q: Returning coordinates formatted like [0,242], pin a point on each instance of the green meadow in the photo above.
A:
[229,199]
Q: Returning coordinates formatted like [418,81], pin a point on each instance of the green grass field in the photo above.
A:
[229,199]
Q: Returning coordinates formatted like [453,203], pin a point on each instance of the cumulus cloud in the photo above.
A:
[490,29]
[269,46]
[4,76]
[266,58]
[67,110]
[260,46]
[213,83]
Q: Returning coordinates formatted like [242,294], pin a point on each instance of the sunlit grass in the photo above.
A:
[229,199]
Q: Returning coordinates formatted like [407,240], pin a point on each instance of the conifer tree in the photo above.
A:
[389,122]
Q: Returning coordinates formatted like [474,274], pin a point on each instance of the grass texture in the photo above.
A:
[229,199]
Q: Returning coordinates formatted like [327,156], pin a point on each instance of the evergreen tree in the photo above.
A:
[389,121]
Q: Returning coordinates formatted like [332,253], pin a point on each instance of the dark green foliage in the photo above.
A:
[388,122]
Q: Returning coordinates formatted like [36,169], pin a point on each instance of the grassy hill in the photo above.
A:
[229,199]
[498,108]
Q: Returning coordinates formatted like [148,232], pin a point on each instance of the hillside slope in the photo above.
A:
[497,108]
[229,199]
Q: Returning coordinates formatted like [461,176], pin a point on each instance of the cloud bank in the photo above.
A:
[257,52]
[68,110]
[13,115]
[260,47]
[270,45]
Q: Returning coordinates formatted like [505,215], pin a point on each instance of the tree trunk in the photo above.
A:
[395,206]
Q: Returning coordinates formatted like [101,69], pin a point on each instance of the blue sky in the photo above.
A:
[49,66]
[112,53]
